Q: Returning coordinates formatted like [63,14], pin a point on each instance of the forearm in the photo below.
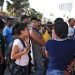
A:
[73,62]
[37,38]
[39,41]
[18,55]
[1,55]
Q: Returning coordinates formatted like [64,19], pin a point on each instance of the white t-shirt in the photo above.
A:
[71,31]
[23,61]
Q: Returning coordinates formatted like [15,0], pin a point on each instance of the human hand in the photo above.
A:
[26,50]
[71,66]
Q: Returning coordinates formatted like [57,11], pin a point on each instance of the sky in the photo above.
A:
[51,6]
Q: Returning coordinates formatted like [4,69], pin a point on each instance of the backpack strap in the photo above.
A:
[21,41]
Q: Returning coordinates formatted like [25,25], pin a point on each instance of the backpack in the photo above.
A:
[8,58]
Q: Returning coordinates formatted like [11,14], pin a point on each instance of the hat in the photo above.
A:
[24,16]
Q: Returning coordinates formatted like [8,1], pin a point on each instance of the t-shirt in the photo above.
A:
[46,36]
[71,31]
[7,32]
[23,61]
[60,53]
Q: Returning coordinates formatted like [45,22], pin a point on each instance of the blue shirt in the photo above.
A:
[7,32]
[60,53]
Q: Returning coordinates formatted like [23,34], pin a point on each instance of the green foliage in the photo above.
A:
[33,12]
[1,4]
[18,6]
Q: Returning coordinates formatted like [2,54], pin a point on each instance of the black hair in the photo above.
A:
[39,20]
[70,19]
[49,22]
[34,18]
[21,27]
[61,29]
[2,24]
[8,18]
[58,20]
[24,16]
[14,29]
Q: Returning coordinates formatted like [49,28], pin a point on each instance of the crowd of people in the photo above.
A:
[32,48]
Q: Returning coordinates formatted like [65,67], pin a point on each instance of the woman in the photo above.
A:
[20,51]
[60,51]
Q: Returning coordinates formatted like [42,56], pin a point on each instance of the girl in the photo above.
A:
[20,51]
[60,51]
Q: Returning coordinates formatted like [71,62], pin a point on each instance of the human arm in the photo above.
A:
[36,38]
[18,49]
[46,48]
[15,54]
[46,53]
[5,35]
[1,55]
[71,66]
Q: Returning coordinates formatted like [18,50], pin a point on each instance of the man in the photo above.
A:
[71,35]
[2,49]
[25,19]
[33,34]
[37,43]
[33,37]
[7,31]
[71,31]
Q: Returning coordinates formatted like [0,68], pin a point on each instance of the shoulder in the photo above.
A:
[5,28]
[16,42]
[71,41]
[49,42]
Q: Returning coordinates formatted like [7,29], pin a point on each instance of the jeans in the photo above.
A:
[39,66]
[55,72]
[45,65]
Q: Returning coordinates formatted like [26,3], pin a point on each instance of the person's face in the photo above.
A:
[72,23]
[26,20]
[34,23]
[9,23]
[26,32]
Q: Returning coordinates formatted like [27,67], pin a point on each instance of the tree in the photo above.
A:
[18,6]
[33,12]
[1,4]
